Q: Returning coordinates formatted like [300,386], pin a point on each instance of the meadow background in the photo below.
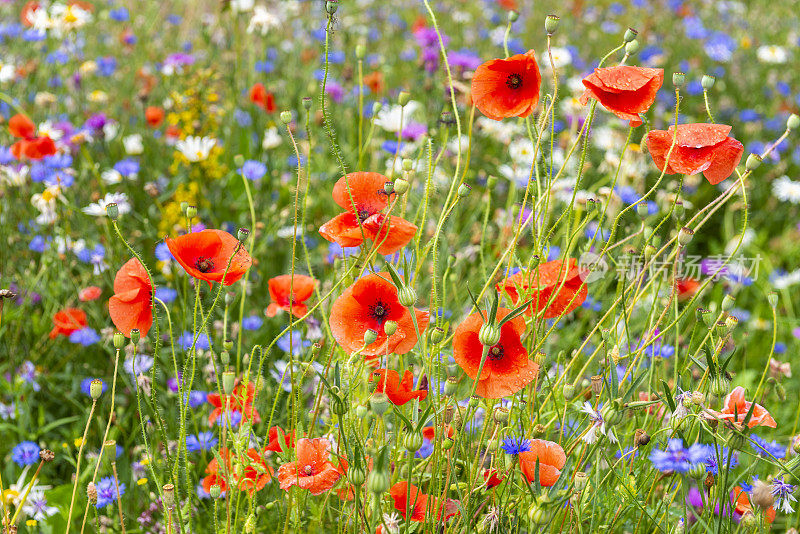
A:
[89,87]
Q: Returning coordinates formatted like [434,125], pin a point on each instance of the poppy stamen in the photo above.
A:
[363,215]
[203,264]
[308,470]
[514,81]
[496,352]
[378,311]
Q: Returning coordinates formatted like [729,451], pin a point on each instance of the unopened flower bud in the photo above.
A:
[513,16]
[403,98]
[793,122]
[183,206]
[581,480]
[191,212]
[719,386]
[632,47]
[752,162]
[568,391]
[407,296]
[361,51]
[228,379]
[412,441]
[464,190]
[356,476]
[536,514]
[685,235]
[727,302]
[551,24]
[377,482]
[489,335]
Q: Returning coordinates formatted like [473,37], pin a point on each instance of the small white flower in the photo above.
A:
[561,58]
[133,144]
[271,138]
[13,175]
[263,21]
[389,116]
[98,209]
[786,190]
[36,506]
[110,130]
[598,426]
[772,54]
[7,72]
[111,176]
[242,5]
[196,148]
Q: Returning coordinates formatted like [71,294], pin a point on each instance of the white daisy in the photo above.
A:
[196,148]
[98,209]
[133,144]
[263,21]
[786,190]
[389,116]
[271,138]
[773,54]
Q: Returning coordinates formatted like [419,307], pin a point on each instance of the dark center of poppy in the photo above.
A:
[308,469]
[496,352]
[379,311]
[363,215]
[203,264]
[514,81]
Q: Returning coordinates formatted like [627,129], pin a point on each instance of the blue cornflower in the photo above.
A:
[297,343]
[106,65]
[253,170]
[119,14]
[197,398]
[783,495]
[128,167]
[720,47]
[186,340]
[203,441]
[25,453]
[762,446]
[38,244]
[230,416]
[85,336]
[424,451]
[252,322]
[163,253]
[86,385]
[678,458]
[627,453]
[514,445]
[712,465]
[107,491]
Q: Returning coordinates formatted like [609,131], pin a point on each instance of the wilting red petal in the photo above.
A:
[67,321]
[344,230]
[624,90]
[391,234]
[398,391]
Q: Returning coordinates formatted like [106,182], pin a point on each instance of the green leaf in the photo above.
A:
[668,395]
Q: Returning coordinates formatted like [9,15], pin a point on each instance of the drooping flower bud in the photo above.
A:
[793,122]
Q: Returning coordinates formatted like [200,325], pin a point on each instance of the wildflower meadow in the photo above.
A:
[420,266]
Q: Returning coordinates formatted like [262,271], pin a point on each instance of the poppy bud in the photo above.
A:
[632,47]
[630,35]
[678,79]
[685,235]
[376,108]
[489,335]
[450,385]
[581,480]
[464,190]
[536,514]
[238,160]
[184,205]
[719,386]
[307,102]
[370,336]
[698,471]
[356,476]
[447,444]
[568,391]
[168,497]
[727,302]
[403,98]
[361,51]
[407,296]
[513,16]
[707,81]
[400,186]
[772,298]
[649,251]
[551,24]
[377,482]
[191,212]
[331,6]
[96,388]
[752,162]
[135,336]
[361,411]
[225,358]
[379,403]
[412,442]
[612,414]
[215,491]
[228,378]
[793,122]
[91,493]
[112,210]
[119,340]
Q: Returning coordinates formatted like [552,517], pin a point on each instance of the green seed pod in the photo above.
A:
[379,403]
[286,117]
[168,496]
[119,340]
[772,298]
[191,212]
[513,16]
[96,388]
[632,47]
[793,122]
[707,81]
[678,79]
[135,336]
[390,327]
[551,24]
[361,51]
[437,335]
[630,35]
[112,210]
[450,385]
[401,186]
[752,162]
[228,380]
[215,491]
[581,480]
[370,336]
[403,98]
[685,235]
[464,190]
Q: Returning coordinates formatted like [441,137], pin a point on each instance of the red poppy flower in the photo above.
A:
[241,400]
[362,195]
[539,284]
[29,145]
[89,293]
[312,470]
[290,294]
[430,432]
[409,497]
[374,80]
[510,5]
[28,12]
[368,305]
[507,368]
[263,98]
[278,438]
[742,502]
[67,321]
[490,476]
[701,147]
[154,116]
[735,409]
[216,475]
[398,391]
[256,472]
[503,88]
[205,255]
[624,91]
[132,304]
[551,460]
[686,287]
